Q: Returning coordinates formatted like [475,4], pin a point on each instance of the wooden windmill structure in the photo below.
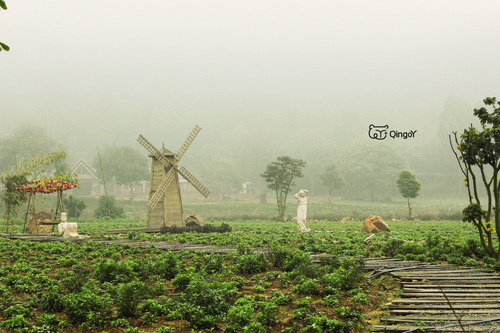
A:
[165,203]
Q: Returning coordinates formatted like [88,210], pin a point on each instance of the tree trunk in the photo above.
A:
[409,208]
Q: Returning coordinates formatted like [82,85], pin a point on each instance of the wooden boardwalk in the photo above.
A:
[439,298]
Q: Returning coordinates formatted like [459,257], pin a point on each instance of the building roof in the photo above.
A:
[84,170]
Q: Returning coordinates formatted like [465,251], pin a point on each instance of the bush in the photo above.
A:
[14,322]
[213,297]
[16,310]
[240,315]
[74,207]
[268,314]
[322,324]
[251,263]
[112,271]
[107,208]
[86,305]
[307,287]
[166,266]
[182,280]
[52,300]
[128,297]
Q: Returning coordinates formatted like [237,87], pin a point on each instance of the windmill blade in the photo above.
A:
[187,143]
[161,189]
[188,176]
[149,147]
[193,181]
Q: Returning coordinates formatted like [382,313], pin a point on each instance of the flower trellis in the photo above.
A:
[34,186]
[46,186]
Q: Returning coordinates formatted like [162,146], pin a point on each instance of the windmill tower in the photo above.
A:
[165,203]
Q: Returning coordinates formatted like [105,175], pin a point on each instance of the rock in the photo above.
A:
[193,220]
[375,223]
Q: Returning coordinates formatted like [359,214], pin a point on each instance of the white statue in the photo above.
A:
[66,229]
[302,210]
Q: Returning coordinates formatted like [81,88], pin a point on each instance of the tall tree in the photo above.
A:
[279,176]
[371,168]
[221,174]
[332,179]
[409,186]
[127,165]
[478,155]
[24,142]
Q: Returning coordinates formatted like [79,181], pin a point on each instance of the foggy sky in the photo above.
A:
[114,69]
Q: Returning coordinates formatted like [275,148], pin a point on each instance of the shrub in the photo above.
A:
[14,322]
[331,300]
[391,248]
[322,324]
[120,322]
[268,314]
[182,280]
[51,322]
[74,282]
[78,307]
[307,287]
[277,255]
[166,266]
[213,297]
[251,263]
[52,300]
[281,299]
[74,207]
[198,319]
[107,208]
[348,313]
[358,296]
[16,310]
[127,297]
[112,271]
[240,315]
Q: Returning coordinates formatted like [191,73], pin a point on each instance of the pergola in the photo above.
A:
[34,187]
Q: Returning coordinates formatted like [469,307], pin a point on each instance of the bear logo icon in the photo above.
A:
[378,132]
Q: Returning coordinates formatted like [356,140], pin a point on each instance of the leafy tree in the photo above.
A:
[108,208]
[332,179]
[409,186]
[24,142]
[478,155]
[3,46]
[280,175]
[123,163]
[222,174]
[371,168]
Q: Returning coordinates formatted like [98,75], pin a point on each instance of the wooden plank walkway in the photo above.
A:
[439,298]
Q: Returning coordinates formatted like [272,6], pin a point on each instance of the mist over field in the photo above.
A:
[262,79]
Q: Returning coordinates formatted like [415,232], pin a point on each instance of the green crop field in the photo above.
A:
[70,287]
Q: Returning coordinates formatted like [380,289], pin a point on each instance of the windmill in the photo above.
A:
[165,203]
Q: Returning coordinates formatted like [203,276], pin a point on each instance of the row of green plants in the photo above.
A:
[60,287]
[63,286]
